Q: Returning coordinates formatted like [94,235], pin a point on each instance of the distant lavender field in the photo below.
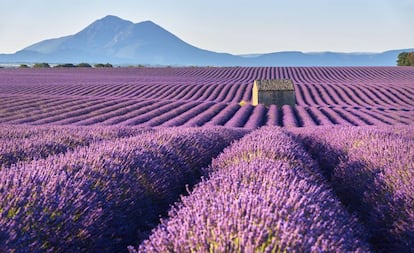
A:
[91,159]
[168,97]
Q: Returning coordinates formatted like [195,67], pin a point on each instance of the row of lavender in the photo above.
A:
[372,172]
[266,194]
[263,194]
[82,111]
[101,197]
[357,86]
[194,74]
[27,143]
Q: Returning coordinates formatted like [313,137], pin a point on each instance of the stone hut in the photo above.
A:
[273,91]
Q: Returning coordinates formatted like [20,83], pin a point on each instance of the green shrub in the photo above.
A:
[84,65]
[65,65]
[41,65]
[100,65]
[405,59]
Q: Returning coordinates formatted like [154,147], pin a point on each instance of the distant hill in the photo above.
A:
[112,39]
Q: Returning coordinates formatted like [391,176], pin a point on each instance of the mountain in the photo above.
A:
[112,39]
[118,41]
[387,58]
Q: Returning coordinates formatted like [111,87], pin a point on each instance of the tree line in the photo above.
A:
[68,65]
[405,59]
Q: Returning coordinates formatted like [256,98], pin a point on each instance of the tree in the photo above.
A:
[410,59]
[41,65]
[65,65]
[405,59]
[100,65]
[84,65]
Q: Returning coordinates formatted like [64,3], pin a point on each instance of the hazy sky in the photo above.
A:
[238,27]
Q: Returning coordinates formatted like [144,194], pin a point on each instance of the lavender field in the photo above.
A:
[178,160]
[190,97]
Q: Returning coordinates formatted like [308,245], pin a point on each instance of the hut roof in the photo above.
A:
[275,84]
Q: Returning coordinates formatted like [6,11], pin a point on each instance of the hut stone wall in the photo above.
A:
[276,91]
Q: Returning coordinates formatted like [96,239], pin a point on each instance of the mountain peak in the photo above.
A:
[104,29]
[112,18]
[147,22]
[149,25]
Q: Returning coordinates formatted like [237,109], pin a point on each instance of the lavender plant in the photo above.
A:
[371,170]
[26,143]
[264,194]
[100,198]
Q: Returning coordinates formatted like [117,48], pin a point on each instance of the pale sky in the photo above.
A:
[237,27]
